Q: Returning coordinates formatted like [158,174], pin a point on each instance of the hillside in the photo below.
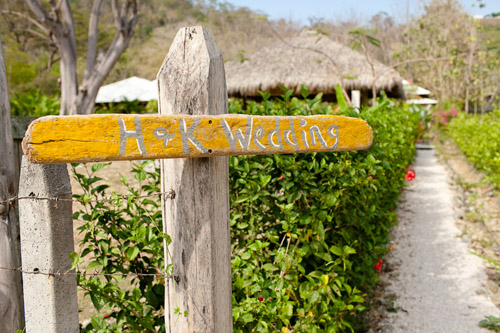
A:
[32,62]
[491,32]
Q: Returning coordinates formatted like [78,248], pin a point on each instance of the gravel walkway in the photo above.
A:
[436,283]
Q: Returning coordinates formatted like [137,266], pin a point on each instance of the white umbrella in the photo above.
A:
[133,88]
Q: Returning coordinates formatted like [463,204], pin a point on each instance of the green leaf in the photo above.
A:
[304,92]
[340,98]
[247,318]
[94,266]
[97,322]
[132,252]
[287,310]
[97,301]
[98,166]
[336,250]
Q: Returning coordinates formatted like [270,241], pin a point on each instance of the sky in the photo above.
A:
[302,10]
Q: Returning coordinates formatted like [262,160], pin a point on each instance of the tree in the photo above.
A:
[56,19]
[439,50]
[361,39]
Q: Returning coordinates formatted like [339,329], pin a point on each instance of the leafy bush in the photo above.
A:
[307,230]
[34,104]
[122,235]
[128,107]
[478,137]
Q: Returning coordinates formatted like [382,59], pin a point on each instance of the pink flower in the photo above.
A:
[453,112]
[281,178]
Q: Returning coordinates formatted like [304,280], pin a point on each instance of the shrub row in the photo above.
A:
[307,230]
[478,137]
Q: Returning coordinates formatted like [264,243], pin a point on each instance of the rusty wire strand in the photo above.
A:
[167,195]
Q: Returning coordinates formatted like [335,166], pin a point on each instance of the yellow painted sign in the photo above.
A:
[66,139]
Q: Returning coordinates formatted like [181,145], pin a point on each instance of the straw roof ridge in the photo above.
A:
[311,59]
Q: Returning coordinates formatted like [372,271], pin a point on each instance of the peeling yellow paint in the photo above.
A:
[66,139]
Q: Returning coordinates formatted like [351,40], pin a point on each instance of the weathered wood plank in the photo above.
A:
[192,81]
[66,139]
[11,293]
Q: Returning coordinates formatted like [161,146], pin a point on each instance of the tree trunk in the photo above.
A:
[75,98]
[11,301]
[69,79]
[481,96]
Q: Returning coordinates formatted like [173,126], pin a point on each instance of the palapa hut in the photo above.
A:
[314,60]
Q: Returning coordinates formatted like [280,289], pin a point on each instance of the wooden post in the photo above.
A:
[11,293]
[19,127]
[198,298]
[46,241]
[356,99]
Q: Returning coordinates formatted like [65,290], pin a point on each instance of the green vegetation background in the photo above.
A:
[307,230]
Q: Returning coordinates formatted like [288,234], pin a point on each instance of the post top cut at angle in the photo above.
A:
[67,139]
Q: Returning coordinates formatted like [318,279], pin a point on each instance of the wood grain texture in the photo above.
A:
[11,293]
[192,82]
[67,139]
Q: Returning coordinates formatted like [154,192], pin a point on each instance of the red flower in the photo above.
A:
[281,178]
[410,175]
[378,266]
[261,298]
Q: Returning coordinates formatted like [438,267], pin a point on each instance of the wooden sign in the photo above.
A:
[67,139]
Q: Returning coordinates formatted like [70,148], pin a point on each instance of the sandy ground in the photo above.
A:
[434,283]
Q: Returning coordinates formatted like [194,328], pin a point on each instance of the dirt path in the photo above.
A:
[432,282]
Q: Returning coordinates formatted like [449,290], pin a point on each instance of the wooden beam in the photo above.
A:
[127,137]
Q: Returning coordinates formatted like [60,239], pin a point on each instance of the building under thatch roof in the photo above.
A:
[314,60]
[131,89]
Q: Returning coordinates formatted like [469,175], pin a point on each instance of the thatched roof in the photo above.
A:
[311,59]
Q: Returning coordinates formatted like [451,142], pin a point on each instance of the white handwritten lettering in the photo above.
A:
[137,135]
[187,135]
[244,140]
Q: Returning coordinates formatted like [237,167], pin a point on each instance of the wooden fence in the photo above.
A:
[192,104]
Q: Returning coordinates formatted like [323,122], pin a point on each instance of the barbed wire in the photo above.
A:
[32,196]
[85,274]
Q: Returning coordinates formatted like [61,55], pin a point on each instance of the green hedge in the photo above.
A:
[306,230]
[478,137]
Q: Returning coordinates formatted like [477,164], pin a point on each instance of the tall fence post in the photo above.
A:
[198,297]
[11,299]
[50,299]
